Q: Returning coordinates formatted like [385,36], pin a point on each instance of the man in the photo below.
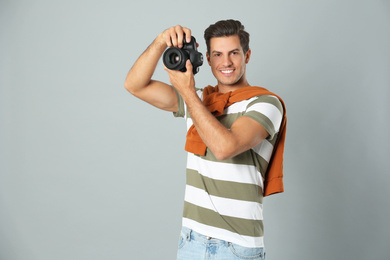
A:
[233,132]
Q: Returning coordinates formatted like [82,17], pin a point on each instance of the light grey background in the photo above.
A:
[89,172]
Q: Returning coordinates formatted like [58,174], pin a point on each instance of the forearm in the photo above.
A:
[220,140]
[141,73]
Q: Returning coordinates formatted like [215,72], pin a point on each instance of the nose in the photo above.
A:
[226,62]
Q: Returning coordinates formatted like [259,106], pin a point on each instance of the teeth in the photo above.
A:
[227,71]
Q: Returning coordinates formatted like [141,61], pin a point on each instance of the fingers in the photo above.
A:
[188,34]
[188,67]
[174,36]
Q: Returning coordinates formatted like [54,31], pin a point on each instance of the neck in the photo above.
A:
[222,88]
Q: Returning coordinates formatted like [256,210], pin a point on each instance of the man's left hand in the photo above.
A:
[183,82]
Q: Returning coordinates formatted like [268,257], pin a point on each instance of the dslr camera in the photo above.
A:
[175,58]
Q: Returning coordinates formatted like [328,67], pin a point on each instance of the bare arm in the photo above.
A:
[139,79]
[244,134]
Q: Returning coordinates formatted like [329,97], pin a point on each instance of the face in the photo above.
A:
[228,61]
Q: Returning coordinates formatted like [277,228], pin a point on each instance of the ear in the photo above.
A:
[248,56]
[208,58]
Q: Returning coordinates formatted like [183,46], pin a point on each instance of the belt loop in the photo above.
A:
[189,235]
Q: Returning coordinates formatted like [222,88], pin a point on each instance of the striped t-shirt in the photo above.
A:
[223,199]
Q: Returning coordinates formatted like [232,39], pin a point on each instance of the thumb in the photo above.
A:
[189,65]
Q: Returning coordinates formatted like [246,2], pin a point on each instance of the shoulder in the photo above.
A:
[266,110]
[262,102]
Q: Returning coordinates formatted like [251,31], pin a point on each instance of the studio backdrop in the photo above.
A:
[88,171]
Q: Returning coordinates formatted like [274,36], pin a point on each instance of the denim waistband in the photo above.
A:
[192,235]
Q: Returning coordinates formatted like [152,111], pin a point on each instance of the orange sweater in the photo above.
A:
[216,102]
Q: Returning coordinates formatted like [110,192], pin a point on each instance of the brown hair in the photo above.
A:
[227,28]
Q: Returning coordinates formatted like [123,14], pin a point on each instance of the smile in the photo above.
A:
[227,71]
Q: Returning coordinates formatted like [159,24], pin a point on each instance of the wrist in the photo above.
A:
[191,98]
[160,42]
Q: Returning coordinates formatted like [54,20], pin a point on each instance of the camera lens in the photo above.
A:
[173,58]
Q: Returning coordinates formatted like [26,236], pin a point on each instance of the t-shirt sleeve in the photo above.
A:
[180,106]
[268,111]
[182,110]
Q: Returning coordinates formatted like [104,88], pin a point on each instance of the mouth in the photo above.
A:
[227,72]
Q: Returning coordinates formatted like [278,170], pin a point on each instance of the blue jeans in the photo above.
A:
[194,246]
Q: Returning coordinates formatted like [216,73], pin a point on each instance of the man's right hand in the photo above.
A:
[173,37]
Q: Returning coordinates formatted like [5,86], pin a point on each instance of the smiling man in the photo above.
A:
[235,142]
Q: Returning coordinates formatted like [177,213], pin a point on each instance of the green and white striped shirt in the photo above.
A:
[223,199]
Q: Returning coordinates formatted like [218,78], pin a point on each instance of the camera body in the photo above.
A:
[175,58]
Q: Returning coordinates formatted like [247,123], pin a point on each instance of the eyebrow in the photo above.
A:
[237,49]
